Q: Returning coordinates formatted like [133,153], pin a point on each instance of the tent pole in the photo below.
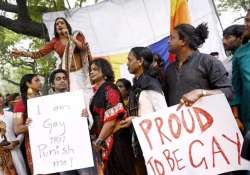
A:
[217,14]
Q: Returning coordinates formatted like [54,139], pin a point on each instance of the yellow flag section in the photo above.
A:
[116,61]
[179,13]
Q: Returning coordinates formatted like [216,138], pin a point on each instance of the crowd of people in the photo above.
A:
[111,106]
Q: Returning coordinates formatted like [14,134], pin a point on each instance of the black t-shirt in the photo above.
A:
[200,71]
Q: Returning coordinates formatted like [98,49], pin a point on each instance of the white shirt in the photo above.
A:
[151,101]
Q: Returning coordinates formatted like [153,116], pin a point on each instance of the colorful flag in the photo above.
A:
[179,15]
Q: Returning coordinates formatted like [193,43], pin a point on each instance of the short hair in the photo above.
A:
[125,82]
[194,37]
[67,24]
[145,54]
[234,30]
[105,67]
[53,75]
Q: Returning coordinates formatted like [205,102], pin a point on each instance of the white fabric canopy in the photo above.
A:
[202,11]
[114,26]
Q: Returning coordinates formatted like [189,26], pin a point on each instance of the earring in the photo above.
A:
[30,92]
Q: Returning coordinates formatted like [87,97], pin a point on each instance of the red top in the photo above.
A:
[56,45]
[20,107]
[106,105]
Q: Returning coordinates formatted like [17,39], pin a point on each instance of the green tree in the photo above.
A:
[233,4]
[27,18]
[11,69]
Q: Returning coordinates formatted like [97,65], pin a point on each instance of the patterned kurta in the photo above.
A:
[105,106]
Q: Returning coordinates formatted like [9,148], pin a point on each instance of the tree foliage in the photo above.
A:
[27,16]
[11,70]
[233,4]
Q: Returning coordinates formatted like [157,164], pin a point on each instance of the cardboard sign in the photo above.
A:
[59,136]
[202,139]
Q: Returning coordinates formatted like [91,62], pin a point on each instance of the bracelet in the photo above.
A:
[99,142]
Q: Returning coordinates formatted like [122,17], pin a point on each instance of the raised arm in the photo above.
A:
[80,41]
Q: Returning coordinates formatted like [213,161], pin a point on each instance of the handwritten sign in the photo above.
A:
[203,139]
[59,137]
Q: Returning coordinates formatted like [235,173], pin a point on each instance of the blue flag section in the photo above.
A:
[161,47]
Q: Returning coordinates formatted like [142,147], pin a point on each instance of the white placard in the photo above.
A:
[59,136]
[203,139]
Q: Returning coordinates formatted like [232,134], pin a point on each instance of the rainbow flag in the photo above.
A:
[179,14]
[116,60]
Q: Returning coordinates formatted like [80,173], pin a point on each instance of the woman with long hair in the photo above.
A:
[73,51]
[107,109]
[74,54]
[30,87]
[145,96]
